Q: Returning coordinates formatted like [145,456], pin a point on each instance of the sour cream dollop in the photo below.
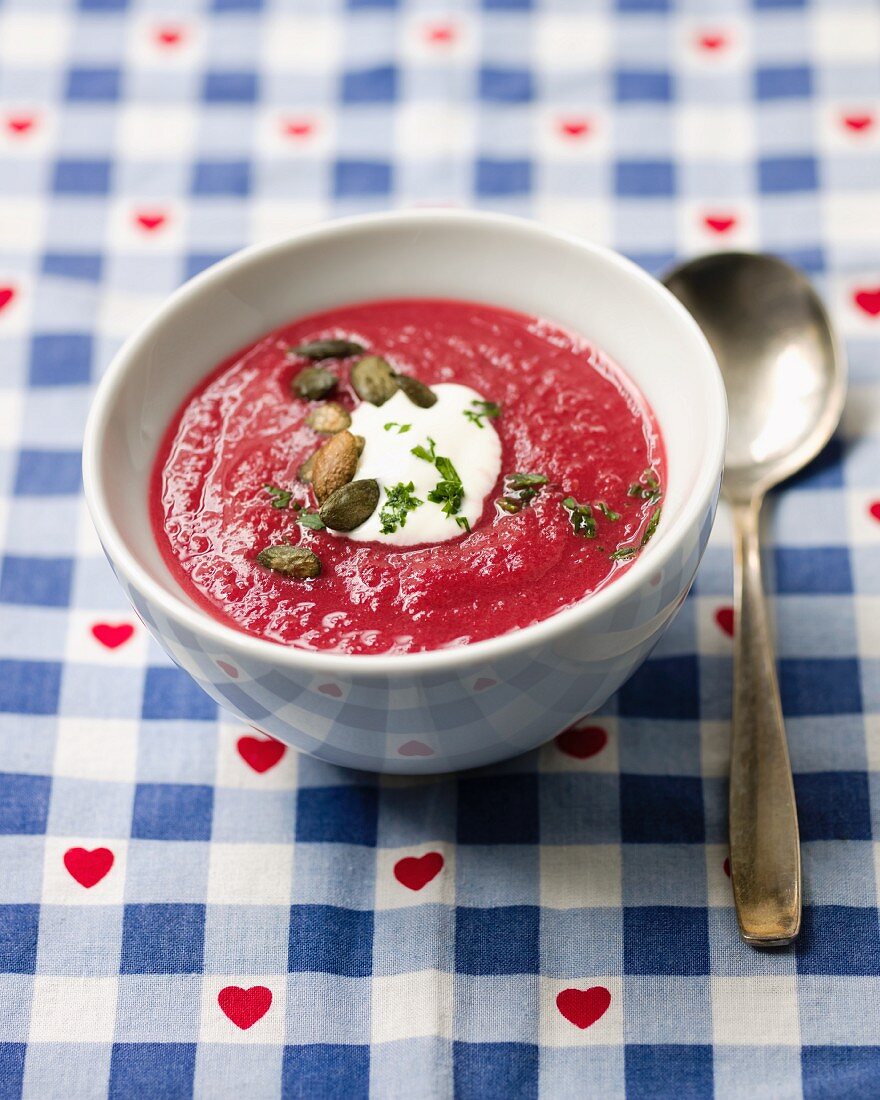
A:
[392,431]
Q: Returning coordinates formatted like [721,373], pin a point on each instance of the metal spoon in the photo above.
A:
[785,375]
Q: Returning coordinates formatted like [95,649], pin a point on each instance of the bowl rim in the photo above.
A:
[230,640]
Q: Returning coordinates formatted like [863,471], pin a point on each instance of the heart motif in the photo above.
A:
[244,1007]
[483,683]
[414,872]
[229,669]
[112,635]
[20,124]
[726,866]
[169,36]
[149,222]
[573,127]
[7,293]
[857,123]
[581,742]
[440,33]
[260,754]
[333,690]
[720,223]
[297,127]
[711,41]
[724,619]
[88,867]
[415,748]
[583,1007]
[868,300]
[874,509]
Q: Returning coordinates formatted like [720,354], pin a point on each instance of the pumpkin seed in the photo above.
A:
[373,379]
[327,349]
[351,505]
[360,443]
[417,391]
[313,383]
[293,561]
[335,464]
[304,473]
[509,504]
[328,419]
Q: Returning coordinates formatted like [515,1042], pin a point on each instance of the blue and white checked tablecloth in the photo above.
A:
[185,908]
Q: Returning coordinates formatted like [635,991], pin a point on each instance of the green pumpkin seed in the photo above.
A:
[525,481]
[373,379]
[313,383]
[417,391]
[335,465]
[329,419]
[351,505]
[327,349]
[293,561]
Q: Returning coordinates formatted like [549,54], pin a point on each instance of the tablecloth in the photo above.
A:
[186,908]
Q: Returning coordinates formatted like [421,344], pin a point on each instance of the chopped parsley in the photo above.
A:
[280,497]
[481,411]
[462,522]
[647,487]
[449,491]
[401,428]
[624,552]
[581,516]
[607,512]
[652,526]
[398,504]
[311,520]
[424,453]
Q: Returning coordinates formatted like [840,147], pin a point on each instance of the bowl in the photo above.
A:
[439,710]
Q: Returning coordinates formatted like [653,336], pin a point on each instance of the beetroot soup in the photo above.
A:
[406,475]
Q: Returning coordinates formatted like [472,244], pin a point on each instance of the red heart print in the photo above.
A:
[333,690]
[441,33]
[583,1007]
[112,635]
[726,866]
[573,127]
[88,867]
[260,754]
[169,36]
[483,683]
[581,742]
[711,41]
[874,509]
[868,300]
[149,222]
[244,1007]
[20,124]
[414,872]
[298,127]
[857,123]
[720,223]
[415,748]
[7,293]
[724,619]
[229,669]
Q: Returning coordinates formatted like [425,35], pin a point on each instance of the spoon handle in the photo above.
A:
[765,859]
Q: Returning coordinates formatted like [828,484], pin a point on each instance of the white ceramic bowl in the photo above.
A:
[453,708]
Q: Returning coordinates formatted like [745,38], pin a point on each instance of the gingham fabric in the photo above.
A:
[187,908]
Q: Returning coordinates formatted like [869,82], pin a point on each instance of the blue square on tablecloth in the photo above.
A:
[769,5]
[498,85]
[152,1069]
[326,1071]
[237,5]
[19,926]
[833,805]
[830,685]
[221,177]
[377,85]
[74,265]
[93,85]
[480,1070]
[498,809]
[496,178]
[658,809]
[665,939]
[642,86]
[196,262]
[60,359]
[579,808]
[330,940]
[839,939]
[162,939]
[501,940]
[780,175]
[11,1069]
[30,687]
[172,693]
[361,178]
[81,177]
[664,687]
[828,1073]
[103,5]
[172,811]
[812,570]
[344,815]
[825,471]
[684,1070]
[229,87]
[783,82]
[42,582]
[644,178]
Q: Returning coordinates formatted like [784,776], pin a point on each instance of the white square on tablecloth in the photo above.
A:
[555,1030]
[574,41]
[756,1011]
[391,893]
[272,219]
[301,43]
[715,133]
[22,222]
[84,646]
[156,131]
[66,1009]
[233,769]
[844,34]
[60,887]
[572,873]
[38,38]
[96,748]
[217,1027]
[433,130]
[406,1006]
[250,874]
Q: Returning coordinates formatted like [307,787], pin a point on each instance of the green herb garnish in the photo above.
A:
[607,512]
[525,481]
[398,504]
[647,487]
[624,552]
[483,409]
[311,520]
[581,516]
[449,491]
[401,428]
[462,521]
[423,453]
[280,497]
[652,526]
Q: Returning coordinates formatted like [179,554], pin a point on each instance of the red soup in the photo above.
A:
[406,475]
